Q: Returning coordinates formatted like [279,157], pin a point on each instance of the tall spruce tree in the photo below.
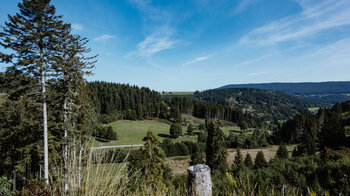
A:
[34,36]
[308,141]
[238,157]
[153,159]
[70,68]
[282,152]
[238,161]
[196,155]
[260,161]
[216,152]
[332,133]
[248,161]
[20,140]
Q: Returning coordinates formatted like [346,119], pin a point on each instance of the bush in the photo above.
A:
[177,149]
[190,129]
[182,149]
[175,130]
[105,133]
[201,126]
[258,139]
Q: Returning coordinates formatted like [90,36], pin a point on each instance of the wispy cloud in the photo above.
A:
[242,6]
[333,54]
[77,27]
[152,14]
[197,59]
[159,34]
[253,61]
[315,18]
[157,41]
[104,37]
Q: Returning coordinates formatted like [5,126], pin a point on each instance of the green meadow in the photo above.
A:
[132,132]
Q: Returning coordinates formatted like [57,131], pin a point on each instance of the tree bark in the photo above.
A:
[13,169]
[43,93]
[79,163]
[65,148]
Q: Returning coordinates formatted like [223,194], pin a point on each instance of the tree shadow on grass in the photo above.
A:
[164,135]
[102,140]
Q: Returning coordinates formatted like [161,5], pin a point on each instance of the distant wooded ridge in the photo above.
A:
[264,103]
[325,93]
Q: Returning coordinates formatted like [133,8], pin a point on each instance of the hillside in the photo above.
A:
[264,103]
[324,93]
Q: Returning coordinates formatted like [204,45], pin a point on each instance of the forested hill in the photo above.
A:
[264,103]
[124,101]
[121,101]
[325,93]
[342,107]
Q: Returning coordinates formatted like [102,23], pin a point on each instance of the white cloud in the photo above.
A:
[197,59]
[77,27]
[157,41]
[315,18]
[158,31]
[104,37]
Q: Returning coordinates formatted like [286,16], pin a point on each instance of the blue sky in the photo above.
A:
[188,45]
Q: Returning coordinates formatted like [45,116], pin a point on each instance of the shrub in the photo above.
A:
[105,133]
[175,130]
[190,129]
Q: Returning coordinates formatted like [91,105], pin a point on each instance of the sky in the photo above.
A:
[188,45]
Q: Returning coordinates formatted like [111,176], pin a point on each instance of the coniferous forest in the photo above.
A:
[59,132]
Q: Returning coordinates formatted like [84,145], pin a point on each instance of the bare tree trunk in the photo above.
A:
[79,163]
[65,148]
[13,169]
[43,92]
[74,162]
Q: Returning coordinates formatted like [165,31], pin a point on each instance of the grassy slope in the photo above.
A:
[314,109]
[132,132]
